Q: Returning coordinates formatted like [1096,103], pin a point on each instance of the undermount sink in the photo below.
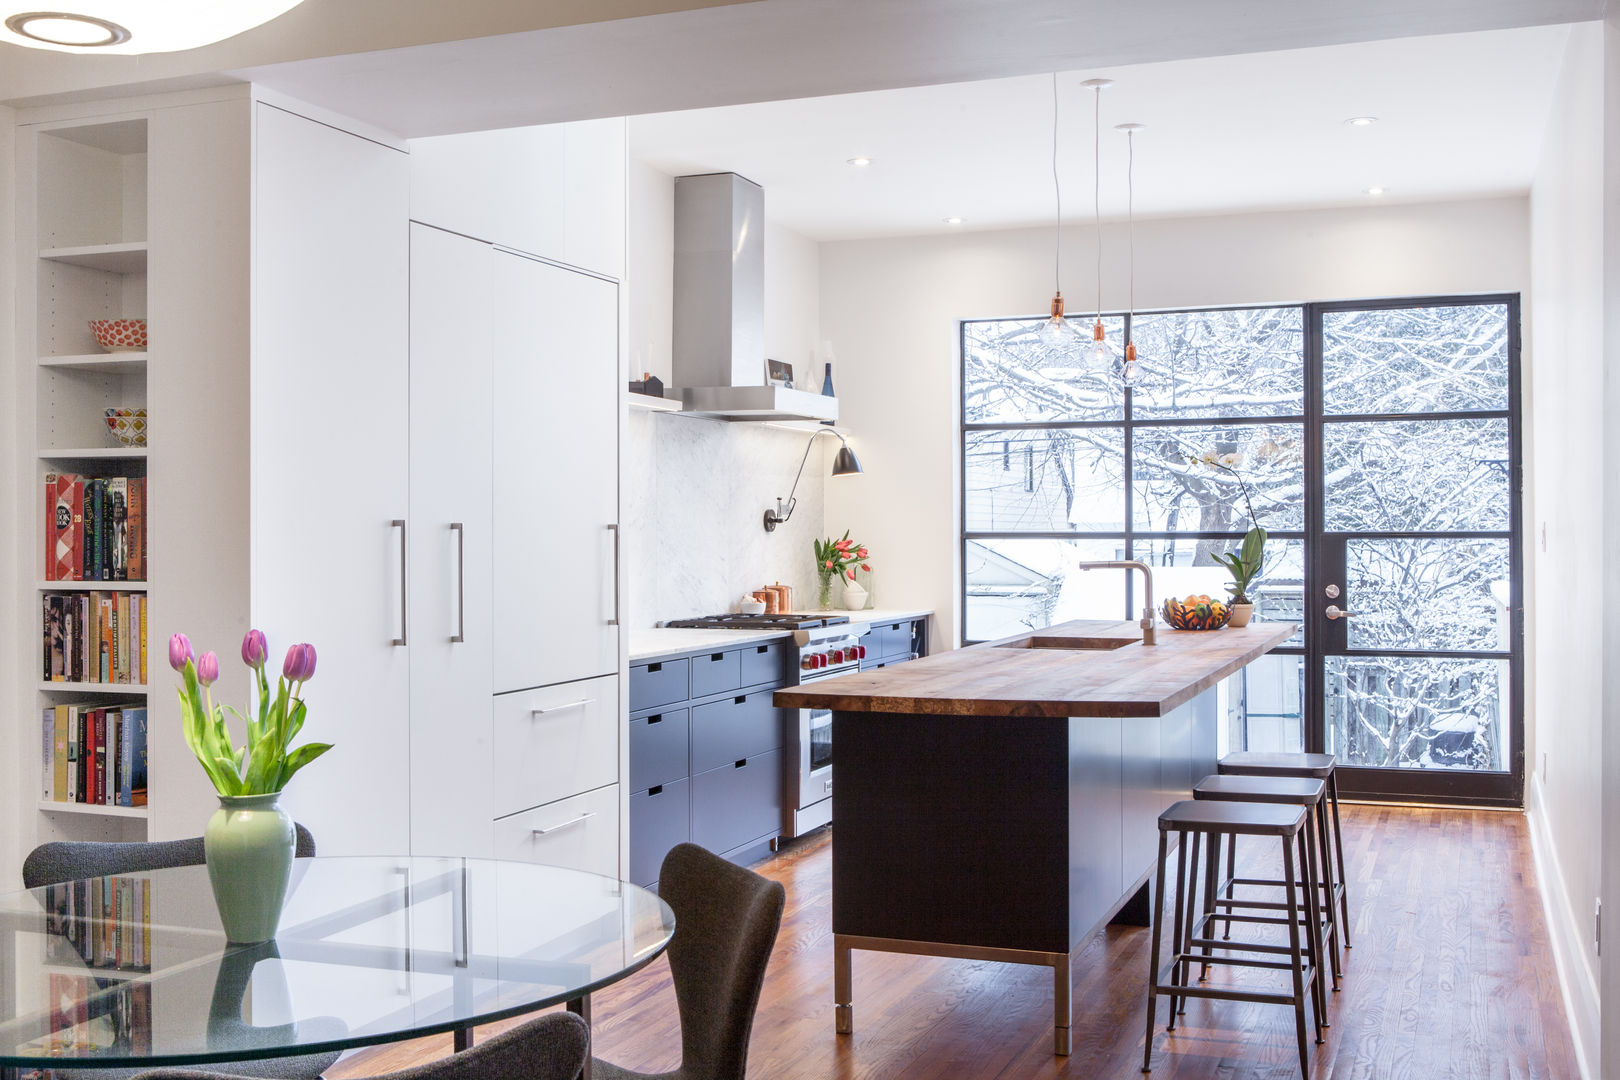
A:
[1070,643]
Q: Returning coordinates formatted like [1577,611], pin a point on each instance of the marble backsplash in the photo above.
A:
[695,493]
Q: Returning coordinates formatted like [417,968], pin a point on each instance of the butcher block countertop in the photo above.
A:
[1080,668]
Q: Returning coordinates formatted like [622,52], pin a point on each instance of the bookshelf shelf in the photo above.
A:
[111,973]
[94,809]
[101,453]
[128,258]
[92,688]
[129,363]
[91,586]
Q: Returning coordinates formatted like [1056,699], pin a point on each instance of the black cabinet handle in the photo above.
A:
[740,699]
[715,658]
[740,764]
[659,719]
[654,667]
[656,790]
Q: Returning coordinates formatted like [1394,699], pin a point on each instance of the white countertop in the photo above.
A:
[664,641]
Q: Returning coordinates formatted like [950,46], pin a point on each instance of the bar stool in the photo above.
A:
[1287,791]
[1315,766]
[1286,823]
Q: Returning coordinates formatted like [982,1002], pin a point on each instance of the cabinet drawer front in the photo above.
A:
[581,833]
[555,742]
[657,748]
[715,673]
[894,639]
[732,805]
[659,820]
[652,685]
[775,663]
[737,727]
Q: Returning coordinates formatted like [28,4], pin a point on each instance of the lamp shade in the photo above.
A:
[133,26]
[846,462]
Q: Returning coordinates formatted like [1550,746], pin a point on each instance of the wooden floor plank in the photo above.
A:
[1451,976]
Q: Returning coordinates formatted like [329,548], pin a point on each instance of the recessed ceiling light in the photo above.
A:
[859,162]
[1375,191]
[953,221]
[63,28]
[1362,121]
[136,26]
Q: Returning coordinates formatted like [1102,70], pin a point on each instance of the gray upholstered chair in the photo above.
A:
[71,860]
[726,919]
[549,1047]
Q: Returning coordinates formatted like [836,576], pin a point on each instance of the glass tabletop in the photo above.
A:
[134,970]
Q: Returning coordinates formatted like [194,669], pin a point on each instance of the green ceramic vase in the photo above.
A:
[249,846]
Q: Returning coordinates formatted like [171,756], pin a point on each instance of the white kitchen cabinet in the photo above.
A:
[556,190]
[330,401]
[449,530]
[556,474]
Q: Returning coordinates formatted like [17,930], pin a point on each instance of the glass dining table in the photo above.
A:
[134,970]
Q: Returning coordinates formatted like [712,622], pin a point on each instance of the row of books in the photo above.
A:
[95,754]
[94,637]
[104,922]
[93,1015]
[95,528]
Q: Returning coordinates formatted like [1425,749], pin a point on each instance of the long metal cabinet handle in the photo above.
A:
[399,523]
[586,816]
[614,529]
[580,704]
[461,583]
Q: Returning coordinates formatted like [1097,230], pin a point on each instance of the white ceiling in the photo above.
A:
[1459,115]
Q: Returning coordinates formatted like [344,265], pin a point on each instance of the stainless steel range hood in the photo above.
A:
[719,332]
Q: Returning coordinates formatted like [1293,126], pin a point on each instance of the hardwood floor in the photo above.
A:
[1451,975]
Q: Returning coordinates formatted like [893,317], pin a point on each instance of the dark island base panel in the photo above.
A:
[1016,834]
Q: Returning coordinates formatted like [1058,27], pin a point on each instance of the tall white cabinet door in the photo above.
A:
[556,474]
[451,481]
[329,452]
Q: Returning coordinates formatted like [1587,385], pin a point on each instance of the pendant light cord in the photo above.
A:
[1057,190]
[1130,208]
[1096,188]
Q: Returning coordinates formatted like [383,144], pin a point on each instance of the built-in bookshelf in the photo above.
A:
[89,228]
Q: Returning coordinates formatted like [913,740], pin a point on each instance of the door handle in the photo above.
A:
[399,523]
[460,635]
[1334,612]
[580,704]
[614,529]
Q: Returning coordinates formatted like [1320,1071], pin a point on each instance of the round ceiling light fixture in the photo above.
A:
[137,26]
[953,221]
[1362,121]
[1374,191]
[859,162]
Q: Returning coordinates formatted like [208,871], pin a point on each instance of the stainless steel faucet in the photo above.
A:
[1147,573]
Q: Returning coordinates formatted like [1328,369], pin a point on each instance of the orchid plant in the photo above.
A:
[264,764]
[1246,563]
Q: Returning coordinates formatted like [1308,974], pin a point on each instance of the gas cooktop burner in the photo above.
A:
[758,622]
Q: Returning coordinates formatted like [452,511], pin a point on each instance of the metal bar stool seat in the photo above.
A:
[1288,825]
[1287,791]
[1316,767]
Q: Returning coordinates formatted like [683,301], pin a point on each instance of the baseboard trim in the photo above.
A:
[1567,931]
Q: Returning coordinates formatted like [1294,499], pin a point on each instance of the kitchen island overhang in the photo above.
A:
[1001,802]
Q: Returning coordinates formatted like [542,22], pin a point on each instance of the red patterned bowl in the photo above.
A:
[119,335]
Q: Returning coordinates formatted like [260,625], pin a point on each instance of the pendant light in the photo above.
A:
[1101,355]
[1129,371]
[135,26]
[1055,332]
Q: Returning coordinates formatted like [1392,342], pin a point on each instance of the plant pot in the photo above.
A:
[249,846]
[854,597]
[1240,614]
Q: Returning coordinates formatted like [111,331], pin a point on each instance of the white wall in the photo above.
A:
[1610,971]
[13,465]
[890,309]
[1567,467]
[696,490]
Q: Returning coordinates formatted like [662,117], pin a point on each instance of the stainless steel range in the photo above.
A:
[829,645]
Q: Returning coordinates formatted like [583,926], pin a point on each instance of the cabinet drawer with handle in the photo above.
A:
[659,683]
[555,742]
[739,802]
[581,833]
[657,748]
[659,819]
[715,673]
[735,727]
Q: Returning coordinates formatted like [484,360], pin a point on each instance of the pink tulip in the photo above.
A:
[254,649]
[829,564]
[850,574]
[207,668]
[179,651]
[299,666]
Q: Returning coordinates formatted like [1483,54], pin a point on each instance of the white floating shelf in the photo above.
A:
[52,807]
[87,586]
[653,404]
[92,453]
[115,258]
[127,363]
[115,974]
[93,688]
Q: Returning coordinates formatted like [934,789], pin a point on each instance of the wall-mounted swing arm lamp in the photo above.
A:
[844,464]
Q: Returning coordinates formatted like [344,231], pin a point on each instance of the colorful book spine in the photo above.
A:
[64,497]
[137,529]
[118,528]
[110,796]
[99,792]
[59,753]
[135,730]
[141,623]
[94,525]
[47,778]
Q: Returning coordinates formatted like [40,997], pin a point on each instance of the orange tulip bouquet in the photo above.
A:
[837,559]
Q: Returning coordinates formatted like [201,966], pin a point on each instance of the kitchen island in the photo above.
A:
[1001,802]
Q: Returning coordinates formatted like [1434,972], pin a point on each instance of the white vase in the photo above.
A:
[854,598]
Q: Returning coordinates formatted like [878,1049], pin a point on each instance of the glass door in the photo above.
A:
[1413,612]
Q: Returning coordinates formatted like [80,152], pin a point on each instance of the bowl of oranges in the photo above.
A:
[1196,613]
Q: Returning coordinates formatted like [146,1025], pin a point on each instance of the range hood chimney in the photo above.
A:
[719,332]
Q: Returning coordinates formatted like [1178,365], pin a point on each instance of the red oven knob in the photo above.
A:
[860,652]
[820,659]
[807,663]
[836,656]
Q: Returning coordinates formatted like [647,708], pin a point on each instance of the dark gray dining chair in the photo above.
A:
[73,860]
[550,1047]
[726,919]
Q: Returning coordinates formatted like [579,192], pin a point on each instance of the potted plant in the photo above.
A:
[1246,563]
[836,560]
[249,842]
